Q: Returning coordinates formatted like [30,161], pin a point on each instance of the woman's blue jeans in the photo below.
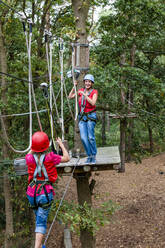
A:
[87,134]
[41,214]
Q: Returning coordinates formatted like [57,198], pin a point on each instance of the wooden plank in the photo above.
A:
[108,158]
[105,155]
[130,115]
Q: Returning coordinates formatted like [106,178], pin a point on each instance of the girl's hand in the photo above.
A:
[59,141]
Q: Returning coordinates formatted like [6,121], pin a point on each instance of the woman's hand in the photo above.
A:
[83,93]
[75,83]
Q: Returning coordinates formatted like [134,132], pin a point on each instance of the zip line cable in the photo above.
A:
[14,77]
[61,55]
[142,110]
[61,201]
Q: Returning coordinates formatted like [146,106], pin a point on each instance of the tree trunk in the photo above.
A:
[150,130]
[151,139]
[6,186]
[123,127]
[103,128]
[84,195]
[123,122]
[80,9]
[130,102]
[108,121]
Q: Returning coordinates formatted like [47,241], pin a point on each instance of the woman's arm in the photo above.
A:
[72,92]
[65,157]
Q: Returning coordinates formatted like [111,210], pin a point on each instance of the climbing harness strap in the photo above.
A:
[40,184]
[88,118]
[83,101]
[83,114]
[40,167]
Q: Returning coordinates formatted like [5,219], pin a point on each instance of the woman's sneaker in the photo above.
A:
[93,160]
[88,161]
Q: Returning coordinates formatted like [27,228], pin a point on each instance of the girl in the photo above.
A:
[42,173]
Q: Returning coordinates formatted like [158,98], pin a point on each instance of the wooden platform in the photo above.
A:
[108,158]
[129,115]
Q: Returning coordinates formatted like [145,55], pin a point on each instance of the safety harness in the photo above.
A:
[84,116]
[40,184]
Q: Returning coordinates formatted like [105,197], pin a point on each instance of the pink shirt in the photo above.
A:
[50,162]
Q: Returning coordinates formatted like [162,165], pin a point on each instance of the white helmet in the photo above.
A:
[89,77]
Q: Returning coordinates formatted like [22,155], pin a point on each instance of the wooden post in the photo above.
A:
[84,195]
[123,126]
[67,238]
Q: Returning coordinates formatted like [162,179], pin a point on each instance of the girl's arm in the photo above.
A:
[65,157]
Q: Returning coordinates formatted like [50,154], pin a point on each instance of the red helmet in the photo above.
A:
[40,142]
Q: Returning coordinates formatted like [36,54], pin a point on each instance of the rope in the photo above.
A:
[66,189]
[66,94]
[55,104]
[28,44]
[142,110]
[75,90]
[61,53]
[49,65]
[37,112]
[22,114]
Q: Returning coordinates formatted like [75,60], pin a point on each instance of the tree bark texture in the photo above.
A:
[6,185]
[123,127]
[84,195]
[103,128]
[130,102]
[123,123]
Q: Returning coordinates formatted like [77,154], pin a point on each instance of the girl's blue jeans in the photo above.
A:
[87,134]
[41,214]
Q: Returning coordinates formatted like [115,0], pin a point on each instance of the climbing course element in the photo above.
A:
[74,81]
[61,53]
[49,47]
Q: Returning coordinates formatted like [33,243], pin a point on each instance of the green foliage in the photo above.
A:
[85,217]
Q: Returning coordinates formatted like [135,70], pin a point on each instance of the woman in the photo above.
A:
[87,116]
[42,173]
